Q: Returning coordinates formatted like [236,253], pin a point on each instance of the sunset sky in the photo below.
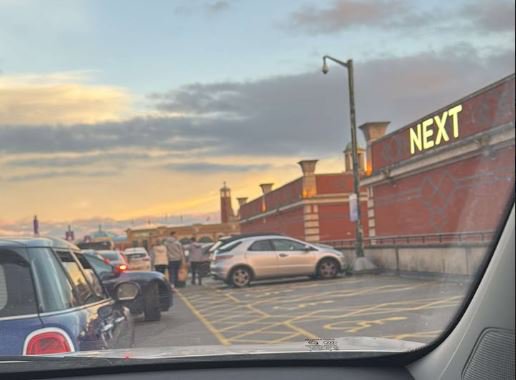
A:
[129,110]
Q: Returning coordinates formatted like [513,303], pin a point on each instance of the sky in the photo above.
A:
[122,112]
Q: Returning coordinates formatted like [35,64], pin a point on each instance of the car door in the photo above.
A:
[96,321]
[262,258]
[293,257]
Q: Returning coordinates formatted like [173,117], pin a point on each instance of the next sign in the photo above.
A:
[432,132]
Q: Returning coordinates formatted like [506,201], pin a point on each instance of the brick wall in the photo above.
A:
[289,222]
[334,223]
[469,195]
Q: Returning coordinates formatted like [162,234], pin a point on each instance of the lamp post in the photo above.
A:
[359,249]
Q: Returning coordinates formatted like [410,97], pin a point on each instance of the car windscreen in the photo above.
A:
[381,133]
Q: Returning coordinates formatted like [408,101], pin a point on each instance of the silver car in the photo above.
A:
[261,257]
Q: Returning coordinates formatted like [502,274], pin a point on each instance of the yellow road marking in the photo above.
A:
[419,334]
[204,321]
[360,325]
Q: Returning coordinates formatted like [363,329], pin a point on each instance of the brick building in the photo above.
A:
[451,171]
[313,207]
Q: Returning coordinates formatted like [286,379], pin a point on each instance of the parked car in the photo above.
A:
[228,239]
[114,258]
[155,293]
[50,303]
[138,259]
[271,256]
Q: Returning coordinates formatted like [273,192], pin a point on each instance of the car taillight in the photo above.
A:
[121,267]
[45,343]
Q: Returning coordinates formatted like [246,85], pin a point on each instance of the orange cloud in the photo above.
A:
[61,98]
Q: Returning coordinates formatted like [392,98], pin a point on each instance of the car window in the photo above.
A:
[261,245]
[229,247]
[80,285]
[287,245]
[16,287]
[93,275]
[54,289]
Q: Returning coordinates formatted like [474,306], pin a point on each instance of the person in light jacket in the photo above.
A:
[196,258]
[159,257]
[176,256]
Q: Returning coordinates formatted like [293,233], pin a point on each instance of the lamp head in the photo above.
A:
[325,68]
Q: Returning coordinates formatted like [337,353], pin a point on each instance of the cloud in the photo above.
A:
[491,15]
[346,14]
[294,115]
[59,98]
[207,167]
[218,6]
[44,175]
[399,15]
[108,158]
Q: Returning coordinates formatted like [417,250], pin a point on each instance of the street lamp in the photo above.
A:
[359,249]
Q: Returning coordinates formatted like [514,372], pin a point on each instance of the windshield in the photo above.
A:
[353,160]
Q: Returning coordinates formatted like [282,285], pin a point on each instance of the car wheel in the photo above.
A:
[152,309]
[328,268]
[240,277]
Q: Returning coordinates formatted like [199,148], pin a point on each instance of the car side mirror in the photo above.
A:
[126,291]
[308,249]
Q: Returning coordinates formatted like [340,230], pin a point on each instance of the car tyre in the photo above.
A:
[151,308]
[240,277]
[327,269]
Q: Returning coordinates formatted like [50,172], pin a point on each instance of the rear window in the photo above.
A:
[110,255]
[229,247]
[16,287]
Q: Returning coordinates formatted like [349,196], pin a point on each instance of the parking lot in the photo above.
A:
[292,310]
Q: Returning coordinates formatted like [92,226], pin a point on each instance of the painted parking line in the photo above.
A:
[204,321]
[286,312]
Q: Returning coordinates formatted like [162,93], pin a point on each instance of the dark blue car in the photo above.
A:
[155,293]
[51,303]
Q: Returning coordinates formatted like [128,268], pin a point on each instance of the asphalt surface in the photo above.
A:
[292,310]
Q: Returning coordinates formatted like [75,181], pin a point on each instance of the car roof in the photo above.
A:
[261,237]
[135,249]
[36,242]
[229,239]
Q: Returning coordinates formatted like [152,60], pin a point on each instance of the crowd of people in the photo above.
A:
[168,255]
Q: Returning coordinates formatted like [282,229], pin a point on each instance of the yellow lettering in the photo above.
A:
[441,131]
[427,134]
[415,140]
[454,113]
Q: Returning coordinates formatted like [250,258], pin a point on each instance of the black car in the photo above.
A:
[155,293]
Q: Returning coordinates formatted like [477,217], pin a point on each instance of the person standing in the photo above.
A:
[196,258]
[176,256]
[159,257]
